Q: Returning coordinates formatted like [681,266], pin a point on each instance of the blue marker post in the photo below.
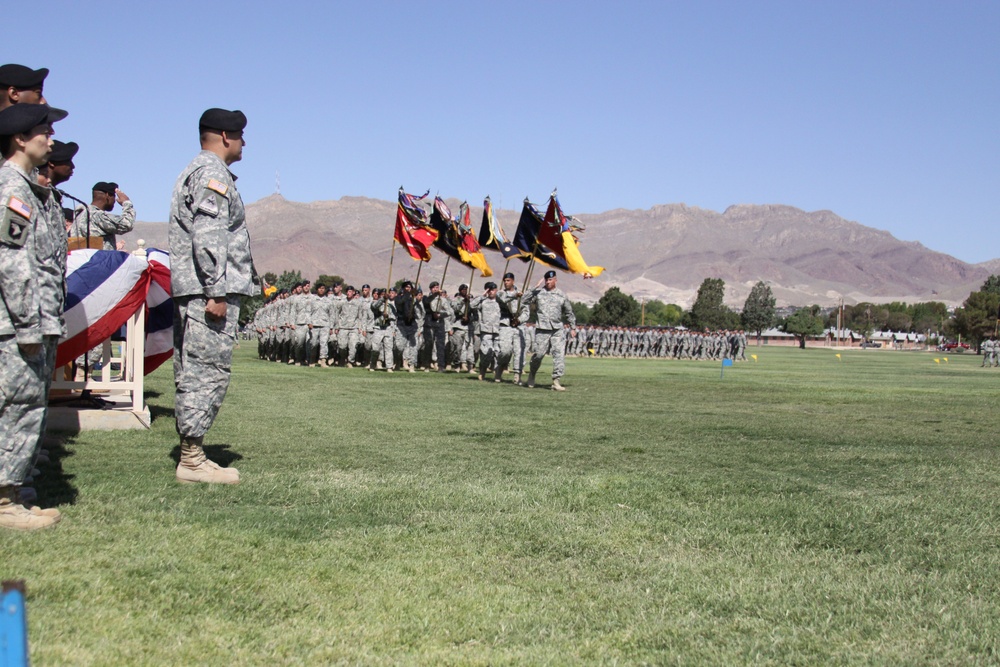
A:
[13,626]
[725,362]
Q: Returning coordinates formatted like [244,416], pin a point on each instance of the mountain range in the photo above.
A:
[661,253]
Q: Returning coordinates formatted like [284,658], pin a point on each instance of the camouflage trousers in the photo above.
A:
[300,344]
[512,347]
[489,347]
[24,390]
[407,342]
[348,341]
[381,341]
[320,338]
[434,345]
[550,342]
[203,355]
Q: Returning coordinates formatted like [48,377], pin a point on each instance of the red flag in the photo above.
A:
[414,238]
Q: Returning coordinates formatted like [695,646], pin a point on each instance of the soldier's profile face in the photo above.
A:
[550,282]
[508,282]
[38,144]
[30,95]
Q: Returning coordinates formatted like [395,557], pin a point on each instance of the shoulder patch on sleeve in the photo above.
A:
[208,204]
[218,186]
[13,228]
[19,207]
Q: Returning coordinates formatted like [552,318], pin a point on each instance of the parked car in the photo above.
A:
[948,347]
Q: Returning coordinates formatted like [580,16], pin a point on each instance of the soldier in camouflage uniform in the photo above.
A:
[435,322]
[32,266]
[460,309]
[407,325]
[210,268]
[513,320]
[350,326]
[551,308]
[97,218]
[383,332]
[489,331]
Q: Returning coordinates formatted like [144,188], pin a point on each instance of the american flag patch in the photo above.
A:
[19,207]
[218,186]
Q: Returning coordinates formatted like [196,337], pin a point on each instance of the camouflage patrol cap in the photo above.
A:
[63,151]
[222,120]
[22,117]
[19,76]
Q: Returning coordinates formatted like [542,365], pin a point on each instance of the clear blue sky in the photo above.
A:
[884,112]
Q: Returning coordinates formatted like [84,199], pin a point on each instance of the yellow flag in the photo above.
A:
[754,356]
[937,361]
[838,355]
[945,359]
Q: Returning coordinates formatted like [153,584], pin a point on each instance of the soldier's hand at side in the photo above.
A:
[30,349]
[215,308]
[121,197]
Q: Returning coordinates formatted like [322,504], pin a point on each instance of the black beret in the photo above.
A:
[68,213]
[63,151]
[490,285]
[550,274]
[101,186]
[23,117]
[350,288]
[366,286]
[434,284]
[222,120]
[407,283]
[508,275]
[20,76]
[462,287]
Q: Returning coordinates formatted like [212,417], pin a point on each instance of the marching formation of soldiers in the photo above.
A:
[412,331]
[656,343]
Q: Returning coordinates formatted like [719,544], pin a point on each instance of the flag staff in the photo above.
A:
[388,282]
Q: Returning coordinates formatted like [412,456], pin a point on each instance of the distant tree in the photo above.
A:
[270,278]
[758,309]
[659,314]
[992,285]
[328,280]
[709,311]
[977,319]
[803,323]
[615,308]
[288,279]
[582,312]
[898,321]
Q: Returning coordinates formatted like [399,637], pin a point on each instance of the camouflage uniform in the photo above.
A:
[103,223]
[209,258]
[32,266]
[551,307]
[489,334]
[383,333]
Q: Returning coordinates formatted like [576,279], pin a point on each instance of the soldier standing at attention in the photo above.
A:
[98,220]
[32,265]
[489,331]
[210,268]
[551,307]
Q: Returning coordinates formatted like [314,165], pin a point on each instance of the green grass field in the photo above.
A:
[802,510]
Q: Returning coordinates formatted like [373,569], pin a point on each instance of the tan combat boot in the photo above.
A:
[531,380]
[195,467]
[16,516]
[517,379]
[556,386]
